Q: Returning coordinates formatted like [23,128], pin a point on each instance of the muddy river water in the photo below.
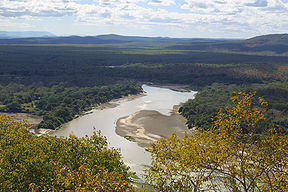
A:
[158,99]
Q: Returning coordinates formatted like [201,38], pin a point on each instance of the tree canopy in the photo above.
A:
[59,104]
[31,163]
[230,156]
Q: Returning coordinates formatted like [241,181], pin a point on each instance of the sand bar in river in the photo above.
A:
[148,126]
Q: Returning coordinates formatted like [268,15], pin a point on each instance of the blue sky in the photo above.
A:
[166,18]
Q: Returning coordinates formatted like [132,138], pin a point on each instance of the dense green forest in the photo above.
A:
[51,76]
[201,110]
[59,104]
[167,61]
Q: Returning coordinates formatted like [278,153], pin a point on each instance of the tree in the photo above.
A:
[229,156]
[14,107]
[31,163]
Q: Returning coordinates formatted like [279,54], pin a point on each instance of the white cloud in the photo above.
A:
[117,2]
[162,2]
[235,15]
[7,24]
[35,8]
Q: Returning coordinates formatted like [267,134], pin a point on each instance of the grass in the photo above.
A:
[130,138]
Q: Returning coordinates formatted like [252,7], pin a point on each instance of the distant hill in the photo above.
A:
[264,40]
[276,43]
[151,39]
[120,38]
[100,39]
[24,34]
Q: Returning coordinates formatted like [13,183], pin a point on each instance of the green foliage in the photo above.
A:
[200,111]
[89,65]
[276,94]
[31,163]
[13,107]
[59,104]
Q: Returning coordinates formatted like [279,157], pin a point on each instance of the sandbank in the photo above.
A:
[148,126]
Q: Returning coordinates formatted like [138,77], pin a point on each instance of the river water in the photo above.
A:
[159,99]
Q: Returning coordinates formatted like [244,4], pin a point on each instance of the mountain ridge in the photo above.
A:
[277,43]
[24,34]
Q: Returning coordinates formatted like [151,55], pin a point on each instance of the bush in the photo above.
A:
[30,163]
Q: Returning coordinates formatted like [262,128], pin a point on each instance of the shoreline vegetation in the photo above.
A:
[200,111]
[173,87]
[60,104]
[34,120]
[142,127]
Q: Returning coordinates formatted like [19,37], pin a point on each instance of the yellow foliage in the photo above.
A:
[230,156]
[30,163]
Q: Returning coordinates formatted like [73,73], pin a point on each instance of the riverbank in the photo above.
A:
[156,99]
[108,105]
[149,126]
[32,120]
[173,87]
[112,103]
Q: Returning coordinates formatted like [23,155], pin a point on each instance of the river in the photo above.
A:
[159,99]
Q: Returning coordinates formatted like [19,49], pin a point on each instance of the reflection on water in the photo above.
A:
[159,99]
[153,135]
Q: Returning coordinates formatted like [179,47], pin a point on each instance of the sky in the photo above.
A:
[153,18]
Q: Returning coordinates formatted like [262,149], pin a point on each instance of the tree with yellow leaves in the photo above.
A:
[31,163]
[230,156]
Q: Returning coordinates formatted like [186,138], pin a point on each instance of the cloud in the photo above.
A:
[234,15]
[161,2]
[232,6]
[43,8]
[258,3]
[115,2]
[7,23]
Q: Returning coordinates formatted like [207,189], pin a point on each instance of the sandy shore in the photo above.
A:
[148,126]
[173,87]
[112,104]
[33,120]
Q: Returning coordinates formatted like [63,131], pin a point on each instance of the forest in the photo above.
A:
[50,78]
[59,104]
[242,88]
[201,110]
[99,64]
